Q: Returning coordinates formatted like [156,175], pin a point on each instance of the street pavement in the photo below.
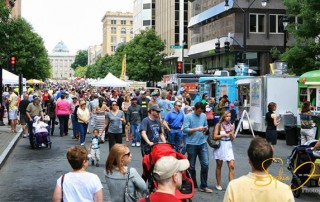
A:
[30,175]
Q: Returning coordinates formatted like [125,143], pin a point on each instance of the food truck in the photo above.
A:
[218,86]
[255,93]
[309,90]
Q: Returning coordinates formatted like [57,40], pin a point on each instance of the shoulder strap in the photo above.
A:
[148,198]
[127,181]
[62,178]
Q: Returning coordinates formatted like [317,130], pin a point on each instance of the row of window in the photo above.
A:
[123,30]
[257,23]
[122,22]
[114,39]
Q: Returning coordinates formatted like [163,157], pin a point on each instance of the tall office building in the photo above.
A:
[117,28]
[61,61]
[143,15]
[172,26]
[211,22]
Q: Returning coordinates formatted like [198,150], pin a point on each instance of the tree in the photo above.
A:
[304,55]
[144,57]
[81,59]
[18,39]
[80,71]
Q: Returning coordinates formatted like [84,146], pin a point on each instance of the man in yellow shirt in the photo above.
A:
[13,110]
[258,186]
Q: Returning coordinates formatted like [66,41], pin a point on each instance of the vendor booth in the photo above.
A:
[9,78]
[110,81]
[309,90]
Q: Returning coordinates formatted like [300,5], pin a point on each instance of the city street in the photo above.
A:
[30,175]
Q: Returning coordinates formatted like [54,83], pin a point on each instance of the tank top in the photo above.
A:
[269,119]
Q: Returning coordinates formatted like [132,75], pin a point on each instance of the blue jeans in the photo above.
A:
[75,125]
[175,138]
[201,151]
[135,130]
[83,132]
[183,149]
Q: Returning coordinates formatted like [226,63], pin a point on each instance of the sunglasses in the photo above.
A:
[156,111]
[179,105]
[114,105]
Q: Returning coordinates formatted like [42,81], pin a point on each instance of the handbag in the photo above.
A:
[128,197]
[213,143]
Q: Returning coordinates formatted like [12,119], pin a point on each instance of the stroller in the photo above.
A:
[302,165]
[186,192]
[42,137]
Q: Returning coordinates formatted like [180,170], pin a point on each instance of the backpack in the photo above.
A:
[75,113]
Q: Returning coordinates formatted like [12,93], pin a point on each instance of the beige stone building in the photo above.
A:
[94,52]
[61,61]
[16,10]
[117,29]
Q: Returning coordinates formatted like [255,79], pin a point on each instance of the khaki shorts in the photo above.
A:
[23,119]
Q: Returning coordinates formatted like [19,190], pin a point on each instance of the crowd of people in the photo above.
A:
[145,118]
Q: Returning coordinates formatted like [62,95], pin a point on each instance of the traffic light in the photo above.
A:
[11,3]
[238,57]
[227,46]
[217,48]
[12,63]
[179,68]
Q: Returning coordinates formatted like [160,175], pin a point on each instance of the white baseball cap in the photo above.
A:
[166,166]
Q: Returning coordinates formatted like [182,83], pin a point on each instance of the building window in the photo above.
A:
[113,39]
[257,23]
[123,31]
[131,22]
[113,48]
[131,31]
[123,39]
[113,22]
[146,6]
[146,23]
[123,22]
[276,25]
[113,30]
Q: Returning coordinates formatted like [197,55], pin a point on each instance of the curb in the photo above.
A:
[7,151]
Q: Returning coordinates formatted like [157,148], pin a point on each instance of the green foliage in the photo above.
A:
[80,71]
[304,55]
[275,53]
[81,59]
[18,39]
[144,59]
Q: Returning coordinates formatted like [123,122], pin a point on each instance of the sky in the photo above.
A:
[75,22]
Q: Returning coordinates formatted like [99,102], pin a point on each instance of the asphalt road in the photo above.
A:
[30,175]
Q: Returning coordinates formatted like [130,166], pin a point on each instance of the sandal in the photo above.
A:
[206,190]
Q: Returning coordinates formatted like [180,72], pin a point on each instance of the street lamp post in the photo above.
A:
[285,22]
[244,47]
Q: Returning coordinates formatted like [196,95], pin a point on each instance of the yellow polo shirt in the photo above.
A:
[257,188]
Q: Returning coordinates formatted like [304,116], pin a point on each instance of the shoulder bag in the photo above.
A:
[213,143]
[62,178]
[129,197]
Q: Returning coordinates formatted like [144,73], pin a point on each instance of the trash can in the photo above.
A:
[290,128]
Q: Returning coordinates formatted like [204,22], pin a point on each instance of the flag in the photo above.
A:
[271,68]
[124,67]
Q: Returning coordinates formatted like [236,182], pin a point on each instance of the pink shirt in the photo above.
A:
[63,107]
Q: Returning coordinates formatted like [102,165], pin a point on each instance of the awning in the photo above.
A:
[211,12]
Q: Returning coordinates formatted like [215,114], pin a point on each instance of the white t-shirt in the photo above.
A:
[80,186]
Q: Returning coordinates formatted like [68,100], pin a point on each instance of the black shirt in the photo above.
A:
[23,107]
[270,123]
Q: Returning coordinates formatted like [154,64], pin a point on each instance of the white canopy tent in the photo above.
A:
[110,81]
[10,78]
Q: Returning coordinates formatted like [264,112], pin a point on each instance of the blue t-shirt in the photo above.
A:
[95,143]
[152,128]
[194,121]
[175,119]
[164,105]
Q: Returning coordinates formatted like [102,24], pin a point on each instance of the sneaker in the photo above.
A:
[138,144]
[82,144]
[26,135]
[218,187]
[206,190]
[97,164]
[133,145]
[92,162]
[43,145]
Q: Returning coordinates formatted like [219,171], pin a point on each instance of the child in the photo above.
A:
[41,131]
[94,148]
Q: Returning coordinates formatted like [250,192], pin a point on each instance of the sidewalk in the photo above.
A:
[7,142]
